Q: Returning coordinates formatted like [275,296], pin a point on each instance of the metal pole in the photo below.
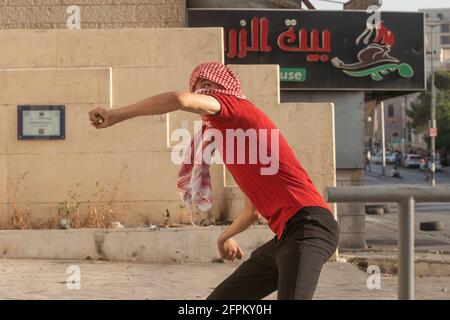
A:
[385,194]
[433,113]
[383,141]
[406,250]
[405,125]
[406,197]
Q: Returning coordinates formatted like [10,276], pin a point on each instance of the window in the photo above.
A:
[445,28]
[391,111]
[440,16]
[445,40]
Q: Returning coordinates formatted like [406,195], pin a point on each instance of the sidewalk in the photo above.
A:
[46,279]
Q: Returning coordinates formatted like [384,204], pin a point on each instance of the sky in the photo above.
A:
[390,5]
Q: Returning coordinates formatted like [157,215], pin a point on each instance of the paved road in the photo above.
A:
[381,231]
[46,279]
[409,176]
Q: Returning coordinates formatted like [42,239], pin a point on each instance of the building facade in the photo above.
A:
[438,27]
[131,14]
[399,136]
[398,133]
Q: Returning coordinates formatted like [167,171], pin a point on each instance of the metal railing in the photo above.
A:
[406,197]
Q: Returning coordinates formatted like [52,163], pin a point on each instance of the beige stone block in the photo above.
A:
[85,48]
[258,80]
[156,13]
[131,85]
[56,86]
[312,122]
[42,14]
[3,179]
[148,24]
[47,215]
[139,47]
[180,214]
[38,2]
[135,135]
[154,212]
[94,2]
[3,128]
[315,158]
[27,49]
[322,173]
[3,216]
[96,48]
[107,13]
[25,26]
[2,83]
[37,215]
[135,176]
[134,213]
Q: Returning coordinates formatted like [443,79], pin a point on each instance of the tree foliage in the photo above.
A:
[420,112]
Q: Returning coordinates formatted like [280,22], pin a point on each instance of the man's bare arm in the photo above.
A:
[245,219]
[155,105]
[228,248]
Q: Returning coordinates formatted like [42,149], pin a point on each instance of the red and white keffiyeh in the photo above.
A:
[194,180]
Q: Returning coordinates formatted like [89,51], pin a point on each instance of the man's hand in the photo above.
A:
[229,249]
[102,118]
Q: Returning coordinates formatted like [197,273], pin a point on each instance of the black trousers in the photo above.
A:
[291,265]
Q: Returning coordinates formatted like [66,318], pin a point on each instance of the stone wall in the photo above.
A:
[95,14]
[126,169]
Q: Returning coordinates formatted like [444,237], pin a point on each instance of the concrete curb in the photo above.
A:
[425,264]
[184,244]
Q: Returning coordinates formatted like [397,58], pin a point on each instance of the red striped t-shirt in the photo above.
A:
[279,195]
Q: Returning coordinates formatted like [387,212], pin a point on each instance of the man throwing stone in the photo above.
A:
[306,233]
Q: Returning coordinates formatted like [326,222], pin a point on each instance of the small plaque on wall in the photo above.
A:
[41,122]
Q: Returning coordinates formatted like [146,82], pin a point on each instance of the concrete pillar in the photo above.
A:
[349,132]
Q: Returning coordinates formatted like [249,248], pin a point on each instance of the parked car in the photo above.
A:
[390,158]
[412,161]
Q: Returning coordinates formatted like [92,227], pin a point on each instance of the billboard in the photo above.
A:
[325,50]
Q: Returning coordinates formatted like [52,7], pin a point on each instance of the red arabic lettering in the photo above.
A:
[259,39]
[242,44]
[232,43]
[264,47]
[290,37]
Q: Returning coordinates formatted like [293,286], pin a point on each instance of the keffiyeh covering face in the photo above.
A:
[194,180]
